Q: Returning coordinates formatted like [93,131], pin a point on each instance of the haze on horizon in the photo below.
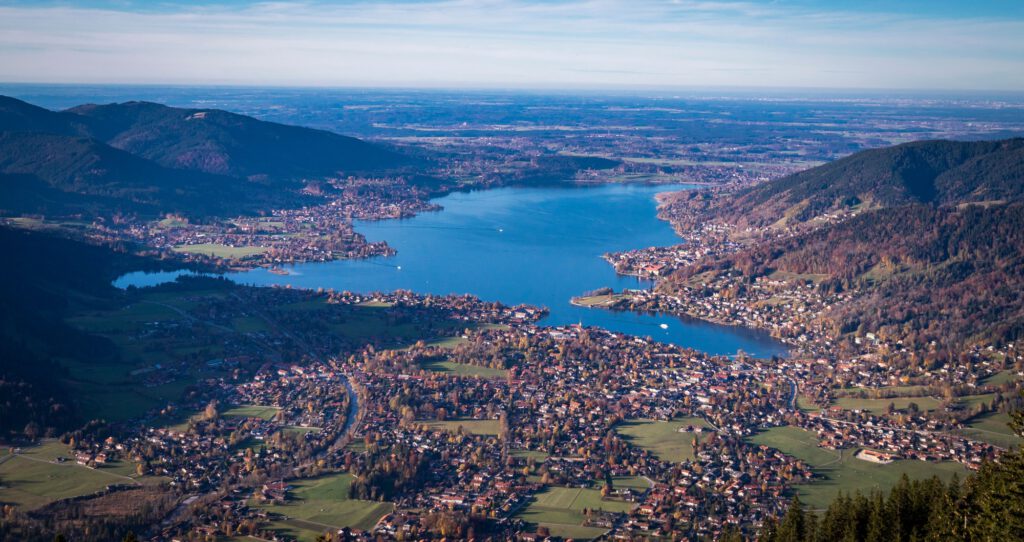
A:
[570,44]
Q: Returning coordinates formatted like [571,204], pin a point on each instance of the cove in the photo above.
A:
[540,246]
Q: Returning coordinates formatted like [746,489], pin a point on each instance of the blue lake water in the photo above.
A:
[540,246]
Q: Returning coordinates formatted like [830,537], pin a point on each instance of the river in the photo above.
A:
[521,245]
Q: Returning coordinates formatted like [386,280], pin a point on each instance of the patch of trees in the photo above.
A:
[384,473]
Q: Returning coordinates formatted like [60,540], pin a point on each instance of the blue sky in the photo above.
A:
[565,44]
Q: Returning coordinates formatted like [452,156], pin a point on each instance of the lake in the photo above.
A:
[540,246]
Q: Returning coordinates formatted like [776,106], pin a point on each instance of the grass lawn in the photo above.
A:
[1000,378]
[220,251]
[527,454]
[663,438]
[879,405]
[992,428]
[252,411]
[473,427]
[630,482]
[560,509]
[297,430]
[322,504]
[448,342]
[598,300]
[841,471]
[464,369]
[31,480]
[972,401]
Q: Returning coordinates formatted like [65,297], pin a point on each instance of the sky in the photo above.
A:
[557,44]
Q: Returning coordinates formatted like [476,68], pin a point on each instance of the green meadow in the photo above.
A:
[839,470]
[560,509]
[322,504]
[663,438]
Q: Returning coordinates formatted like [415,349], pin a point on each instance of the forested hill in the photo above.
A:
[43,173]
[49,277]
[945,274]
[933,172]
[148,158]
[224,143]
[935,250]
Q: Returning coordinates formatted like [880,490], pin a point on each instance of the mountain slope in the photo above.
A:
[49,173]
[47,278]
[938,172]
[219,142]
[148,158]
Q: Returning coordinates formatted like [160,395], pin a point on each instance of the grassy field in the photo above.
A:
[473,427]
[448,342]
[896,391]
[252,411]
[630,482]
[598,300]
[662,438]
[322,504]
[880,405]
[527,454]
[220,251]
[841,471]
[464,369]
[992,428]
[32,479]
[560,509]
[1001,378]
[111,389]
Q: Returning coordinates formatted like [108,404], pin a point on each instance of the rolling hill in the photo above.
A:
[931,172]
[224,143]
[148,158]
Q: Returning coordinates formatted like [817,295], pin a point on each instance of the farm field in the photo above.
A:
[560,509]
[464,369]
[252,411]
[33,478]
[663,438]
[322,504]
[220,251]
[841,471]
[473,427]
[880,405]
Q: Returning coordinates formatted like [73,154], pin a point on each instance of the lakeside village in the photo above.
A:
[465,438]
[323,230]
[314,233]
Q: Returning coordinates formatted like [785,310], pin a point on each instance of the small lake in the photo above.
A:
[540,246]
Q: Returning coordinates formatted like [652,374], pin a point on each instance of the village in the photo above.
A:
[495,424]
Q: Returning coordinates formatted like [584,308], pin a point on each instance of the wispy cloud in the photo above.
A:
[521,43]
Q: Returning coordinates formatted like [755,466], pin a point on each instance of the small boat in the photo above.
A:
[279,271]
[664,326]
